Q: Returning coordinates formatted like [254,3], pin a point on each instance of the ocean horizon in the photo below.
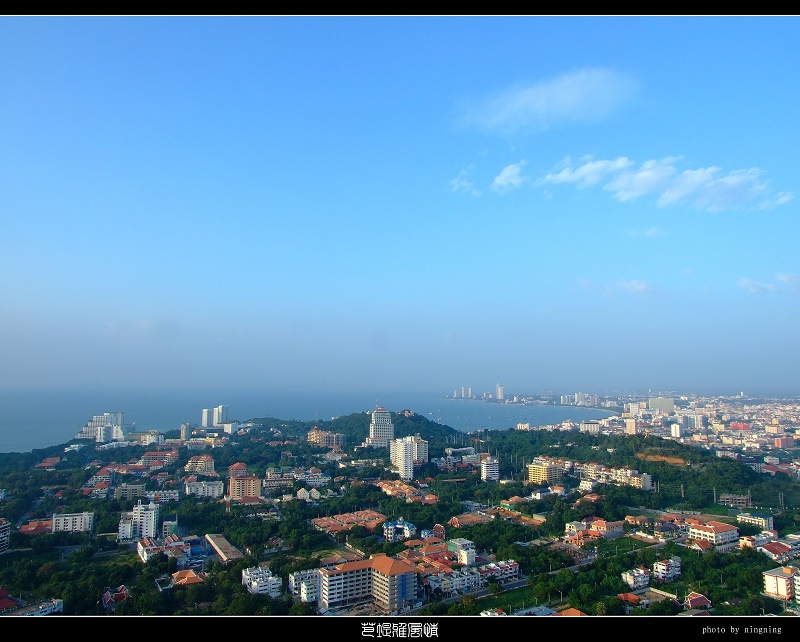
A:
[33,419]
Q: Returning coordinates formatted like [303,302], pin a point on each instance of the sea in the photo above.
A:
[32,419]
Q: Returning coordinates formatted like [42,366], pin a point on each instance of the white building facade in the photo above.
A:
[261,581]
[381,428]
[73,522]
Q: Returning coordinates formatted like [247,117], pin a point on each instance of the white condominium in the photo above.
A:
[103,428]
[73,522]
[140,523]
[490,469]
[406,452]
[212,417]
[401,452]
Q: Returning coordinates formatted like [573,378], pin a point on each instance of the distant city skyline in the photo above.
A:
[400,204]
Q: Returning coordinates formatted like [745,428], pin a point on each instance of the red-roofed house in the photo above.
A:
[34,527]
[111,598]
[777,551]
[49,462]
[696,601]
[8,603]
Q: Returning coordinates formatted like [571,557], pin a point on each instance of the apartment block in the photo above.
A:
[388,583]
[259,580]
[73,522]
[723,536]
[779,582]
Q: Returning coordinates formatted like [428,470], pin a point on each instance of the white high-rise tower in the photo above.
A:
[381,428]
[220,415]
[402,455]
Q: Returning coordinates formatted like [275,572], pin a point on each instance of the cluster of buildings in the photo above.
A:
[467,458]
[665,570]
[498,394]
[392,585]
[405,453]
[109,428]
[731,426]
[549,470]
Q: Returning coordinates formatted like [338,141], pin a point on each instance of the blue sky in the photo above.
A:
[392,203]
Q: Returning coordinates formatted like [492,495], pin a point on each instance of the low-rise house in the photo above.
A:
[112,597]
[777,551]
[637,578]
[696,601]
[667,570]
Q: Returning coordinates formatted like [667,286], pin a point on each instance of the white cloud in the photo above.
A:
[632,286]
[705,188]
[509,178]
[635,286]
[585,95]
[588,174]
[782,282]
[652,176]
[462,185]
[650,232]
[792,280]
[755,287]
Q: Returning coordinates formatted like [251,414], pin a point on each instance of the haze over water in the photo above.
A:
[38,419]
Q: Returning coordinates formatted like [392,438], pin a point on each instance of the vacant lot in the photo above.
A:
[677,461]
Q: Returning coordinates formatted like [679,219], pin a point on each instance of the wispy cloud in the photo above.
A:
[585,95]
[790,280]
[588,174]
[631,286]
[462,185]
[650,232]
[782,282]
[509,178]
[705,188]
[755,287]
[635,286]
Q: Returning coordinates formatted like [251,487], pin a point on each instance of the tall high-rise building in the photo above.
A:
[145,520]
[381,428]
[220,415]
[499,392]
[663,405]
[407,452]
[213,417]
[402,455]
[102,428]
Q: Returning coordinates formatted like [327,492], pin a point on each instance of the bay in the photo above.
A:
[32,419]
